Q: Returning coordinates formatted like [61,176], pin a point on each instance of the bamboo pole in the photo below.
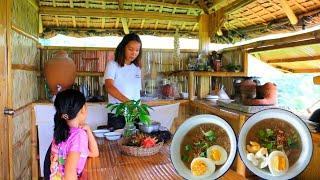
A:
[204,41]
[289,12]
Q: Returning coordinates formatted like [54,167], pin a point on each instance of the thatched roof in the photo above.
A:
[299,59]
[233,20]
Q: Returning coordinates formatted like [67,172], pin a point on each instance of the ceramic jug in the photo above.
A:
[60,72]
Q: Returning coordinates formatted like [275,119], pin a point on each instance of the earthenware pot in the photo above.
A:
[60,71]
[248,89]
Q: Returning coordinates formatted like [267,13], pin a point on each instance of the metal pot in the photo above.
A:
[153,127]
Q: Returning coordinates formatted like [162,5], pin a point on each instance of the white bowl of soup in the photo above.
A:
[203,147]
[270,144]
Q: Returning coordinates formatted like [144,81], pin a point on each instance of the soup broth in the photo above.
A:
[195,143]
[276,134]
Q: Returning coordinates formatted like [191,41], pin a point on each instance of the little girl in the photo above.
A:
[73,140]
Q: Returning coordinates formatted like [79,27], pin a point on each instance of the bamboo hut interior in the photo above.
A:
[22,82]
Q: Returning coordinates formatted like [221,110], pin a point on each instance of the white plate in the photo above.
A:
[100,132]
[185,128]
[212,97]
[296,122]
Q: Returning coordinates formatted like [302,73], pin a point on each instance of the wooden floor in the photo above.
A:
[111,164]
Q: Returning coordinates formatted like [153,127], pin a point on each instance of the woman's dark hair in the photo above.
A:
[67,103]
[120,50]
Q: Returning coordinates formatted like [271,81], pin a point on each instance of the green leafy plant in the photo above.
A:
[232,67]
[132,110]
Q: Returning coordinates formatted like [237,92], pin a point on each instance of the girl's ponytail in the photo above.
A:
[67,103]
[61,128]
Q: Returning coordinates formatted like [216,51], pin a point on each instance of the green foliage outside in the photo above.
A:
[295,91]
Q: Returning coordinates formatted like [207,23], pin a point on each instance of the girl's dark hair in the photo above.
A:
[120,50]
[67,103]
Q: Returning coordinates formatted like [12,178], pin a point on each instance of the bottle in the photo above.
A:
[217,63]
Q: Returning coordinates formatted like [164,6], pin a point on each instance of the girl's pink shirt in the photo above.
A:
[77,142]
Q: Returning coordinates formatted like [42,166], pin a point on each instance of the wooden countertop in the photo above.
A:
[158,102]
[111,164]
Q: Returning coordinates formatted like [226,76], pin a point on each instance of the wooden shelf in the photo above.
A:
[205,73]
[90,73]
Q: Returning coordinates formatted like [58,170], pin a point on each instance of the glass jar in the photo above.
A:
[129,130]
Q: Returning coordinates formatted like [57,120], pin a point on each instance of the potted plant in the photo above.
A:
[231,67]
[131,110]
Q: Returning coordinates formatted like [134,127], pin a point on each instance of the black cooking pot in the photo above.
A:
[315,117]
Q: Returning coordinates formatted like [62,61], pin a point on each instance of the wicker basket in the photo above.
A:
[139,151]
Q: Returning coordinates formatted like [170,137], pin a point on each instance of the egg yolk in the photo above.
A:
[198,168]
[279,163]
[215,154]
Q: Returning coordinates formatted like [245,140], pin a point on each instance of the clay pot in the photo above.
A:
[248,89]
[167,90]
[267,94]
[60,70]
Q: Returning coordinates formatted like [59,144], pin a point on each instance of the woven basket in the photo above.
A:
[139,151]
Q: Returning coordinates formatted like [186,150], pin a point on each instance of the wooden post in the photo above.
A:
[245,61]
[316,80]
[34,147]
[4,154]
[191,85]
[204,40]
[240,167]
[9,89]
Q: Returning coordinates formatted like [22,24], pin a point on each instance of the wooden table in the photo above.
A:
[111,164]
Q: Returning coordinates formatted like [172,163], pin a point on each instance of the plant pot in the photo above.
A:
[60,70]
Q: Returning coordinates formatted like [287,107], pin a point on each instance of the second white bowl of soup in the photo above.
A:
[275,144]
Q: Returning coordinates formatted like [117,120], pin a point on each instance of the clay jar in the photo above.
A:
[60,70]
[248,89]
[167,90]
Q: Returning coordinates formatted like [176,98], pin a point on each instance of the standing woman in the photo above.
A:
[123,75]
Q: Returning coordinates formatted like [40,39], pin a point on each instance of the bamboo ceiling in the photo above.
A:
[234,20]
[298,59]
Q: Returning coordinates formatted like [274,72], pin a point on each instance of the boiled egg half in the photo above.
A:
[202,167]
[217,154]
[278,163]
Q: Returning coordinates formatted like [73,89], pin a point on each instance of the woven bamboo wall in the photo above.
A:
[22,145]
[25,16]
[24,58]
[25,88]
